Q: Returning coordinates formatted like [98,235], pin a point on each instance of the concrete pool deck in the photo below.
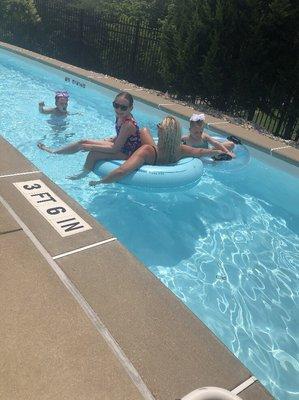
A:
[82,318]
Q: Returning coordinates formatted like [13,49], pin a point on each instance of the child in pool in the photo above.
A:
[127,140]
[199,139]
[61,103]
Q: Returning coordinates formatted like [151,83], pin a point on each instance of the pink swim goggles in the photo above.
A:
[60,94]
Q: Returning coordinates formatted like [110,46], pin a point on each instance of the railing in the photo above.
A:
[124,49]
[117,47]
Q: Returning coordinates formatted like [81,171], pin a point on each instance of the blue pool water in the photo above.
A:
[228,248]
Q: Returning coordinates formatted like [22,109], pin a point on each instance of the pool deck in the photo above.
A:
[82,318]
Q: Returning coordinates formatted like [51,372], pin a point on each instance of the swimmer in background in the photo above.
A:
[61,103]
[199,139]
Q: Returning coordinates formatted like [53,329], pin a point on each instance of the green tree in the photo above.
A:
[144,10]
[185,41]
[235,54]
[222,69]
[19,11]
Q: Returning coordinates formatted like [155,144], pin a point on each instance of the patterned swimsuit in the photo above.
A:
[133,141]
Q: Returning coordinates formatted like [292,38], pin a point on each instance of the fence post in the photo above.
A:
[135,45]
[81,44]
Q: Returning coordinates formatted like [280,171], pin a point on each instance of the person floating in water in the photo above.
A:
[168,150]
[199,139]
[127,140]
[61,103]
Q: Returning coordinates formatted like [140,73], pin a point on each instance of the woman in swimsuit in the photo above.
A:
[127,140]
[168,150]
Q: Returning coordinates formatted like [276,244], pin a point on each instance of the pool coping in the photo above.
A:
[161,314]
[274,147]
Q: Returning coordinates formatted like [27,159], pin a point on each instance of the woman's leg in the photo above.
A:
[146,137]
[68,149]
[93,157]
[145,154]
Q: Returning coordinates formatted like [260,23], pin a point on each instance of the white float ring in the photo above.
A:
[183,174]
[211,393]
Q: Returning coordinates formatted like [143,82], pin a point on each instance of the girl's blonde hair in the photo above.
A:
[169,140]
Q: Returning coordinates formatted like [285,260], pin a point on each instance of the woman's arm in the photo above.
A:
[145,154]
[217,145]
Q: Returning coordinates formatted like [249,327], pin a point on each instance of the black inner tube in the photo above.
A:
[222,157]
[234,139]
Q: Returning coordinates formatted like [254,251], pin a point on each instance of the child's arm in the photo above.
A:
[43,110]
[217,145]
[198,152]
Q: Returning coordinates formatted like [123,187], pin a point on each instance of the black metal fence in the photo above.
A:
[120,48]
[117,47]
[282,122]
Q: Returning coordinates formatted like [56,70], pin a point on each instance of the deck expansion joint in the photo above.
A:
[90,246]
[279,148]
[127,89]
[244,385]
[166,104]
[11,231]
[20,173]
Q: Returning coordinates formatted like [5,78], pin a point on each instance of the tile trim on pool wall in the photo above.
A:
[251,137]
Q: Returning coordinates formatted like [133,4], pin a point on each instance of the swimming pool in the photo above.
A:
[228,248]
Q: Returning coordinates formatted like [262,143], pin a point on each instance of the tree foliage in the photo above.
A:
[19,11]
[149,10]
[235,53]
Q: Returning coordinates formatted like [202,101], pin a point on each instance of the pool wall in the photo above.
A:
[172,350]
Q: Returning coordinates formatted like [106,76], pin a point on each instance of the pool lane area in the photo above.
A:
[81,316]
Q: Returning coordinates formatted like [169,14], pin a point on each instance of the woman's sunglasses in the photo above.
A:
[121,106]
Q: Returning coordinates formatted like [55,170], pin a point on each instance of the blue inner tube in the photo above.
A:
[181,175]
[235,164]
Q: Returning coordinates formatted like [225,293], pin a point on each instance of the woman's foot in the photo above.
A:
[94,183]
[45,148]
[78,176]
